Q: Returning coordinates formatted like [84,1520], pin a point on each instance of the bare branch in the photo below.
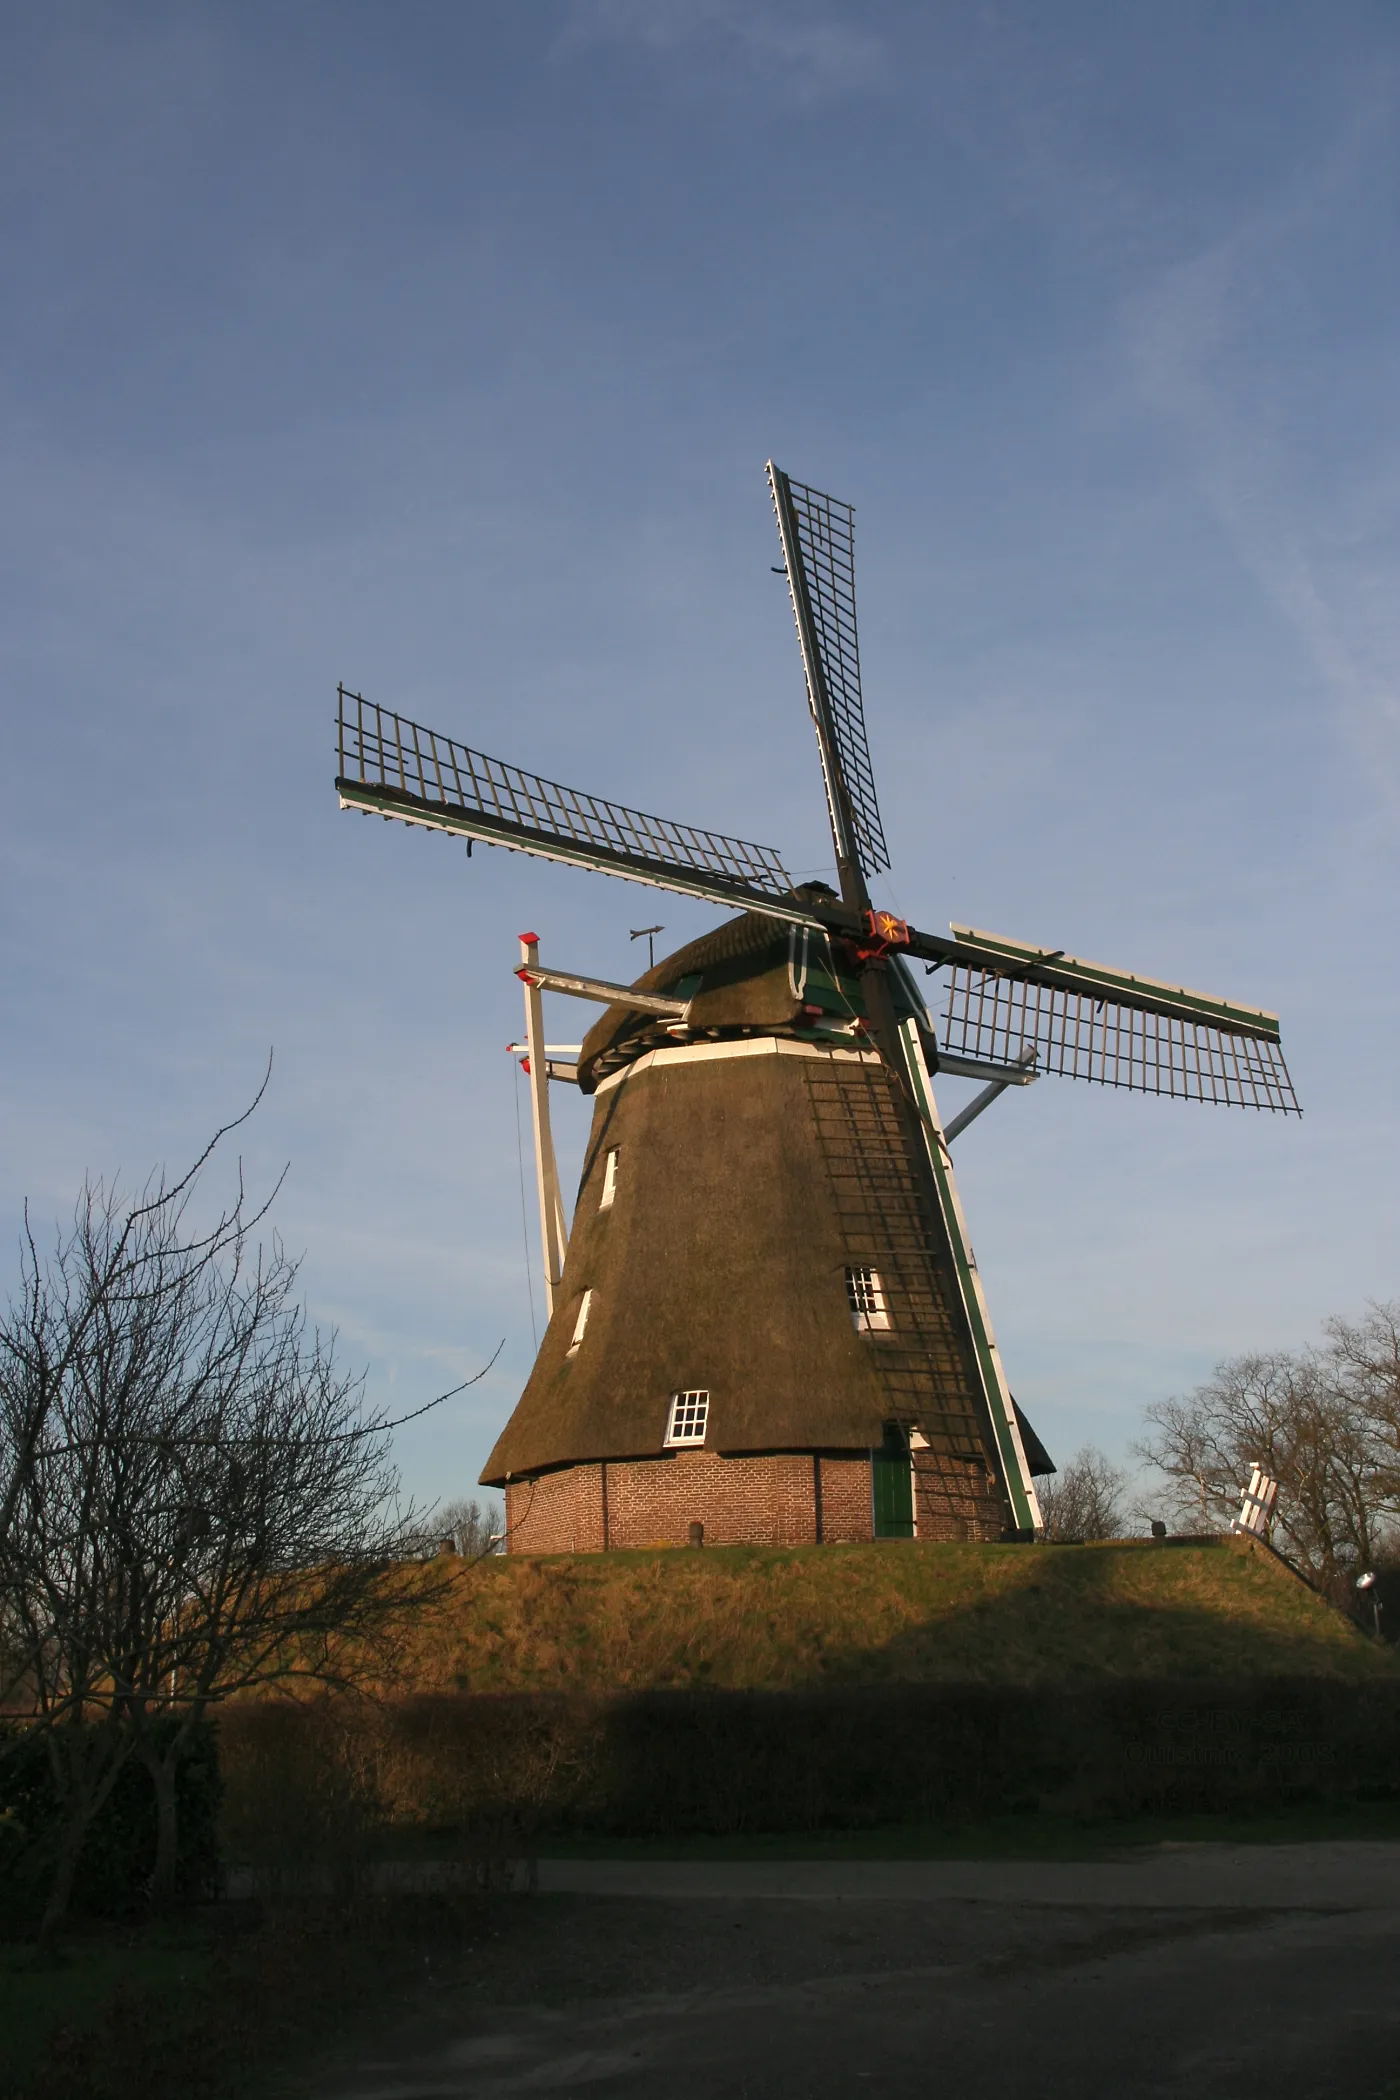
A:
[196,1500]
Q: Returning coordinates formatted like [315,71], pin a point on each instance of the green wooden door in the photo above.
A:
[894,1486]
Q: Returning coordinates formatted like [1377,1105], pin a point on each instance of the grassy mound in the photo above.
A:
[662,1694]
[748,1618]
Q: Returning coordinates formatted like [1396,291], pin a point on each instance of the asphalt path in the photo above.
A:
[1340,1875]
[1196,1970]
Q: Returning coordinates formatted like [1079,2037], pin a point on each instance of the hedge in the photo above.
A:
[671,1763]
[119,1856]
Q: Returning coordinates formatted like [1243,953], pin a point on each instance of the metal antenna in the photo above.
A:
[650,932]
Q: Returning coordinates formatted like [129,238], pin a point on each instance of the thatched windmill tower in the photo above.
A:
[766,1323]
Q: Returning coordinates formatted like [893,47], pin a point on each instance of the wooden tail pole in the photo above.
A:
[553,1236]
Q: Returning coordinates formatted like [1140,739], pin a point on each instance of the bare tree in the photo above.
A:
[198,1501]
[1084,1500]
[474,1528]
[1364,1357]
[1184,1444]
[1322,1422]
[77,1343]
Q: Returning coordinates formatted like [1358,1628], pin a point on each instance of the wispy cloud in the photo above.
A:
[814,58]
[1324,545]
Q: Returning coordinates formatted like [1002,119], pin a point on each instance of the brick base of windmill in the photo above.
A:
[775,1499]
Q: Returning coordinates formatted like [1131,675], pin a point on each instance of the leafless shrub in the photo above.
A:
[313,1788]
[1084,1500]
[195,1499]
[303,1803]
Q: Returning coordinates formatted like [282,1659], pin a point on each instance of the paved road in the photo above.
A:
[1342,1875]
[1034,1981]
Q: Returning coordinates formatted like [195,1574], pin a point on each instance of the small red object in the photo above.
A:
[528,937]
[887,928]
[883,931]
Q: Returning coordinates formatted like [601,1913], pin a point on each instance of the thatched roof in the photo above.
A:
[756,1165]
[745,975]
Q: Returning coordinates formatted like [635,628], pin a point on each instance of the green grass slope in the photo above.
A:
[750,1618]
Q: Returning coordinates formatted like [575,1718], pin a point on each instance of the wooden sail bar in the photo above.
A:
[603,992]
[554,1233]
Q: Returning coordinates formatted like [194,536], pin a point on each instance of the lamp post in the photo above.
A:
[1367,1582]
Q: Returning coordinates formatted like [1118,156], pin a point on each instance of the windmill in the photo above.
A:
[766,1322]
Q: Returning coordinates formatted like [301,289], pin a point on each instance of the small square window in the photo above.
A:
[584,1306]
[689,1412]
[866,1295]
[605,1201]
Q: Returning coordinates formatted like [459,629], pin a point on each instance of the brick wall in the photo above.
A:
[557,1512]
[783,1498]
[847,1514]
[956,1499]
[775,1499]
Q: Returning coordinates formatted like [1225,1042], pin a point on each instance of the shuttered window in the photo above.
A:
[605,1201]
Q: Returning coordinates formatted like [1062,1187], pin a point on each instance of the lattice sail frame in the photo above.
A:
[396,767]
[825,548]
[1078,1033]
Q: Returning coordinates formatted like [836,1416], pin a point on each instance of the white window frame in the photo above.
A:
[689,1411]
[585,1306]
[865,1295]
[609,1195]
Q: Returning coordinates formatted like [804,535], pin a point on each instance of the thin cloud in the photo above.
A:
[815,59]
[1327,559]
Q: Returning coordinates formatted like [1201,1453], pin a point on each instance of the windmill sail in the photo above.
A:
[818,537]
[1005,998]
[1085,1021]
[397,768]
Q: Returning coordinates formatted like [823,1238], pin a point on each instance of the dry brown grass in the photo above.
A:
[747,1618]
[547,1694]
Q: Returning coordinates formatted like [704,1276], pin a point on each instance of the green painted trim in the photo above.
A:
[968,1283]
[892,1488]
[1123,987]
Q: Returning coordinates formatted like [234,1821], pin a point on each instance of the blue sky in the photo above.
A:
[438,348]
